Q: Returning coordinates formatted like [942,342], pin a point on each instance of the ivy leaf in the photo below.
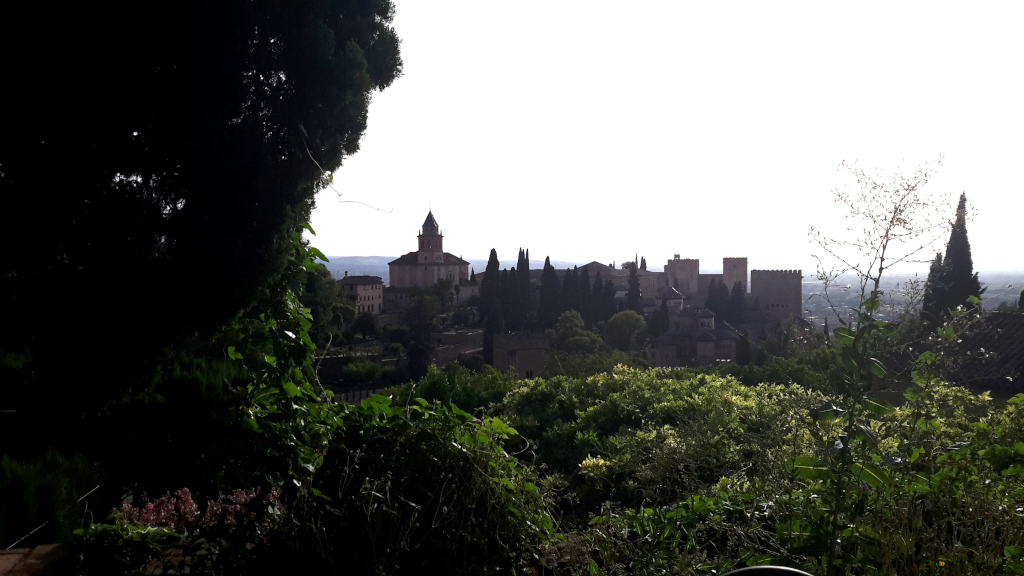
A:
[843,336]
[317,253]
[827,413]
[807,467]
[876,367]
[877,406]
[871,474]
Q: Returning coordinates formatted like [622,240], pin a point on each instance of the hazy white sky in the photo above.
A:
[598,130]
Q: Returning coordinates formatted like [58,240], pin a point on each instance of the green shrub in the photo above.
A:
[422,488]
[45,490]
[361,371]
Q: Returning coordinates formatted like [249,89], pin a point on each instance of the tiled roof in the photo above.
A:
[412,259]
[360,280]
[406,260]
[430,222]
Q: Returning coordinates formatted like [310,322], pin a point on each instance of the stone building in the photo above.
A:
[430,263]
[779,292]
[366,293]
[523,351]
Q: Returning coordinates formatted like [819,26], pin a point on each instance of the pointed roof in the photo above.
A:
[429,222]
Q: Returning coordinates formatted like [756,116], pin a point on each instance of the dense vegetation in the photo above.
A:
[207,444]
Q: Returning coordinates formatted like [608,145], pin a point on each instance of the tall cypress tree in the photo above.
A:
[737,303]
[547,307]
[597,300]
[930,312]
[523,280]
[490,304]
[633,301]
[609,299]
[584,290]
[957,281]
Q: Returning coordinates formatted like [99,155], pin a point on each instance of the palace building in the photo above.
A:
[428,264]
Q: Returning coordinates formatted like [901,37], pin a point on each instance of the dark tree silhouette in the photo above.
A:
[490,304]
[633,301]
[193,139]
[550,289]
[956,280]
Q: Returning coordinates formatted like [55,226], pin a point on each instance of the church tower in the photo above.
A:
[431,240]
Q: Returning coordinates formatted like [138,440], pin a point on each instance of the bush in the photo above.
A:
[361,371]
[421,489]
[44,490]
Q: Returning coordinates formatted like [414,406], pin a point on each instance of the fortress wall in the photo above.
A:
[780,292]
[704,281]
[735,270]
[681,274]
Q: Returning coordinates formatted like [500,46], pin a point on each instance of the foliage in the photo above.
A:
[361,371]
[172,534]
[43,492]
[620,332]
[421,487]
[954,281]
[584,365]
[570,335]
[207,133]
[894,220]
[458,385]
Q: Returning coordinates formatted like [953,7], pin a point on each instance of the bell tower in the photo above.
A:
[431,242]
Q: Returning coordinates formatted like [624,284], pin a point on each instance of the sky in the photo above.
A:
[592,130]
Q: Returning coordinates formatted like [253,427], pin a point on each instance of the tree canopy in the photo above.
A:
[168,162]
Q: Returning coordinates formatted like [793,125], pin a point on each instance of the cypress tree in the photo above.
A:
[711,302]
[609,299]
[490,304]
[659,321]
[957,281]
[633,293]
[583,286]
[597,299]
[523,280]
[643,263]
[547,307]
[737,303]
[930,312]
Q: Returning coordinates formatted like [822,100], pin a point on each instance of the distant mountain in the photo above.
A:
[359,266]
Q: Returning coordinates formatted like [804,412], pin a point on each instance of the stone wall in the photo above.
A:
[780,292]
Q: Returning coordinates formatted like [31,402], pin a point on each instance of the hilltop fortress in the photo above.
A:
[779,292]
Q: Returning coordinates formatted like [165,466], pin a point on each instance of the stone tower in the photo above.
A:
[431,241]
[734,270]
